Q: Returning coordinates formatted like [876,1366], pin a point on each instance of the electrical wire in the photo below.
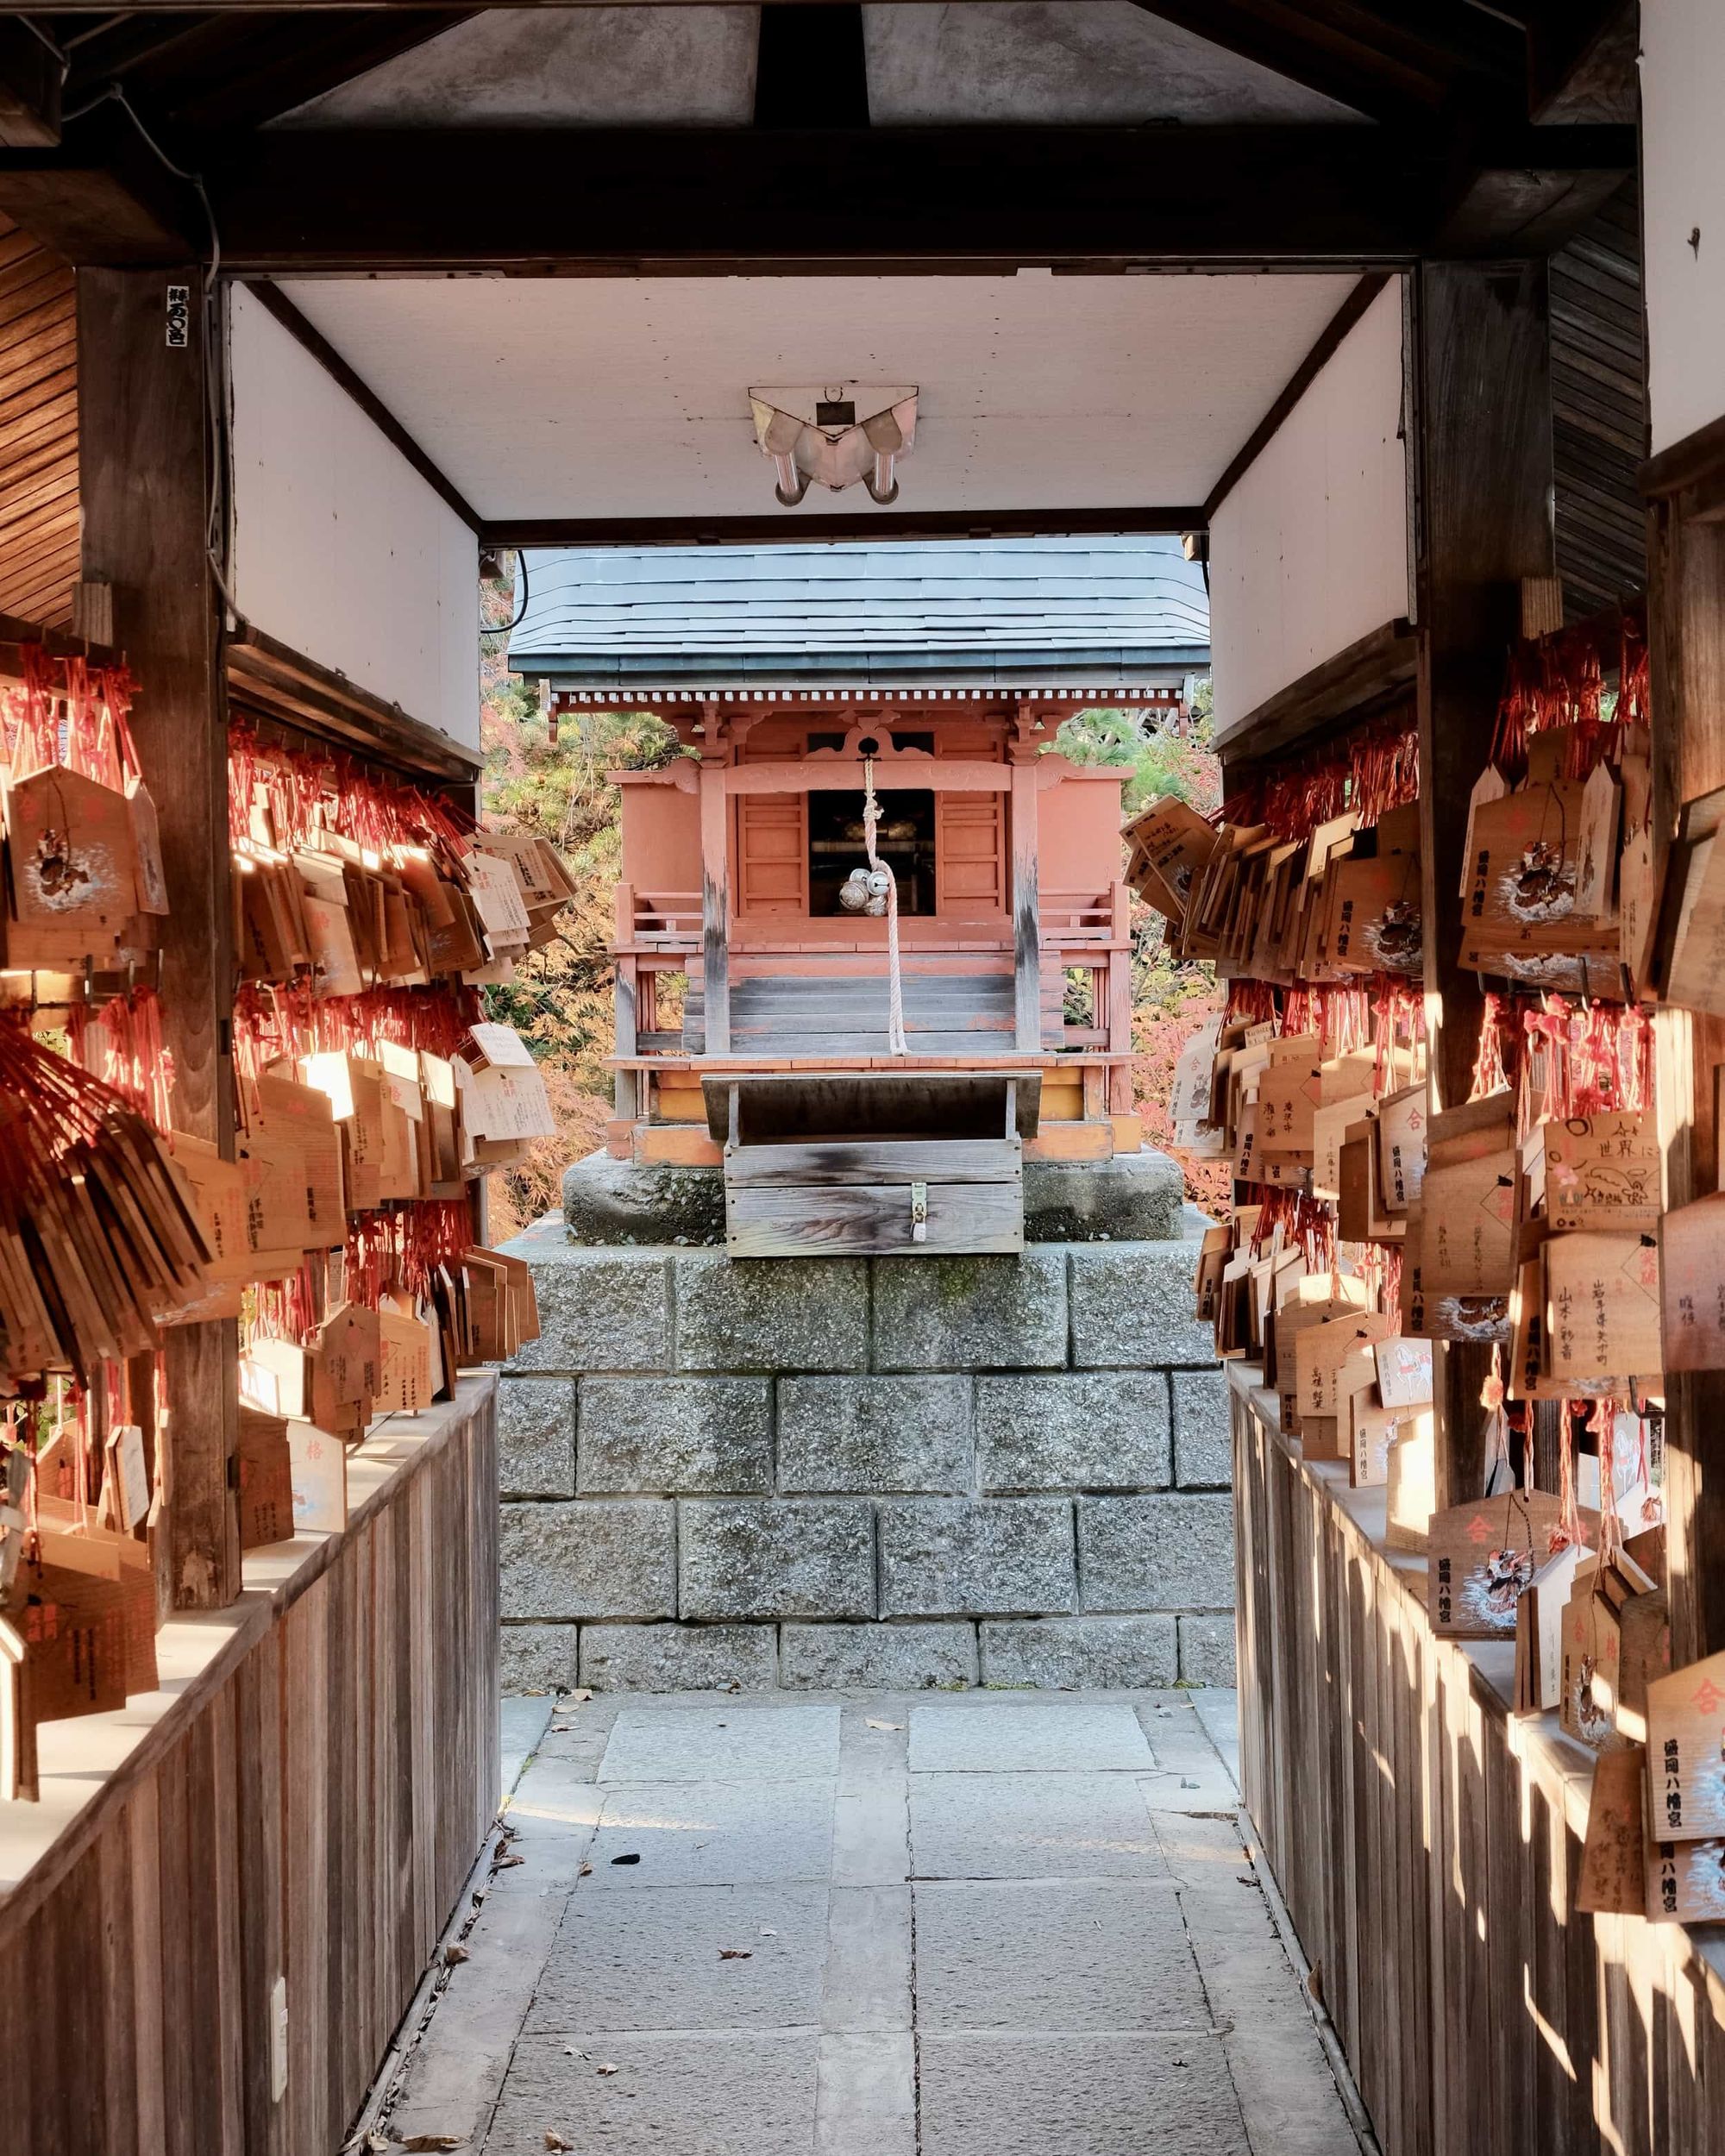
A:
[41,37]
[503,628]
[218,434]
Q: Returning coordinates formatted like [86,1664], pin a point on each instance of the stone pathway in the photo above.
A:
[966,1925]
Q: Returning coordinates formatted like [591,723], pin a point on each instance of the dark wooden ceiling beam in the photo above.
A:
[237,70]
[29,89]
[631,202]
[811,65]
[1582,57]
[776,526]
[102,198]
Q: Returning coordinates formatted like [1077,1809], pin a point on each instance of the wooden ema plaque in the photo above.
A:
[1482,1556]
[1686,1750]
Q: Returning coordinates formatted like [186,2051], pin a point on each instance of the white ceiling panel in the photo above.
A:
[601,398]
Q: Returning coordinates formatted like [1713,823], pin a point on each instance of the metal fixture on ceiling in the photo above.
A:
[814,436]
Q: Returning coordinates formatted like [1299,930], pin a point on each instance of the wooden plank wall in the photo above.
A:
[316,1818]
[1428,1855]
[39,542]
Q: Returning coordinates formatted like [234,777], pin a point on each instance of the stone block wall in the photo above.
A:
[838,1472]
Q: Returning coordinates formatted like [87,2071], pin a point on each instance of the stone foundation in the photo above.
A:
[894,1472]
[1134,1197]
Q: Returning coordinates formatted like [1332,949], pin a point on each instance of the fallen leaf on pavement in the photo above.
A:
[436,2140]
[453,1953]
[557,2141]
[584,1871]
[603,2070]
[503,1863]
[737,1953]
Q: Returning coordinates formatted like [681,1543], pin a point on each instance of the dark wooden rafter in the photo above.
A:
[807,200]
[308,334]
[811,65]
[29,88]
[270,677]
[1323,351]
[773,526]
[1582,58]
[238,69]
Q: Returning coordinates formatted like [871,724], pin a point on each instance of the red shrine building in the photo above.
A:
[754,1004]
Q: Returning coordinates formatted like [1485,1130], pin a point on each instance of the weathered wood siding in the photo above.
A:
[1427,1845]
[38,542]
[312,1812]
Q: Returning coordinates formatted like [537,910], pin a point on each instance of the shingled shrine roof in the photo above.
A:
[1080,612]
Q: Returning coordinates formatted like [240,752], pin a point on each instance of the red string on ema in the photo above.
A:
[1558,682]
[284,799]
[1304,1219]
[1565,1057]
[69,713]
[1366,774]
[122,1044]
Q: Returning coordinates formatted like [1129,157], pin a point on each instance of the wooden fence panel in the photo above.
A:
[1427,1845]
[312,1814]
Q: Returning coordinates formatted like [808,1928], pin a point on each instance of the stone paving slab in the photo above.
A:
[1280,2075]
[1040,1954]
[1032,1825]
[868,1960]
[715,1744]
[1010,1736]
[734,1956]
[713,1833]
[866,2098]
[1082,2094]
[1084,1966]
[672,2095]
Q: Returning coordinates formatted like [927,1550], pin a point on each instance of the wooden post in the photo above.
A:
[145,462]
[1484,442]
[1027,923]
[715,827]
[628,1088]
[1120,1001]
[1686,652]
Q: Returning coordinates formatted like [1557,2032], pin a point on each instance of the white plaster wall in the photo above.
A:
[1309,552]
[341,550]
[1683,169]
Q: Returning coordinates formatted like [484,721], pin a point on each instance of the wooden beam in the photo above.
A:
[244,71]
[298,692]
[1329,343]
[810,64]
[1582,57]
[1686,651]
[635,201]
[1696,462]
[277,303]
[1378,668]
[144,454]
[788,527]
[1484,459]
[29,89]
